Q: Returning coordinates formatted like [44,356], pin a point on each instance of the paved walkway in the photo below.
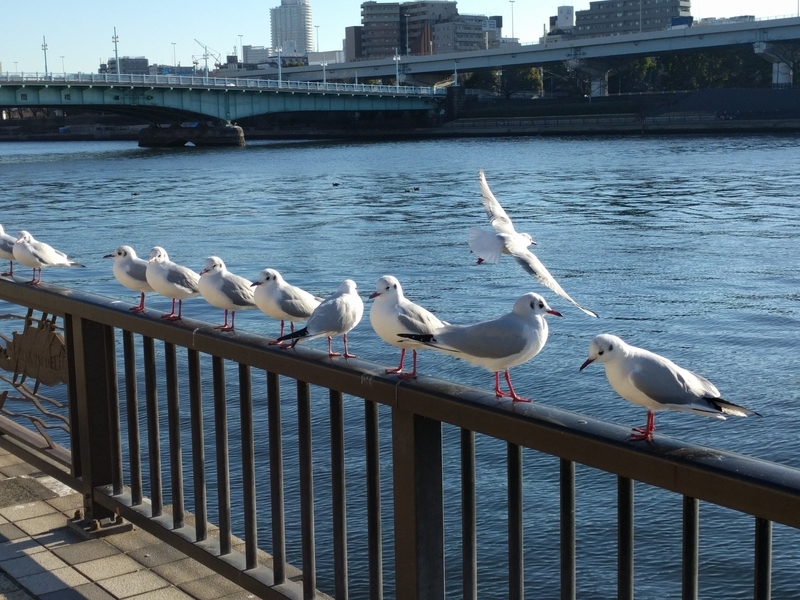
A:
[40,557]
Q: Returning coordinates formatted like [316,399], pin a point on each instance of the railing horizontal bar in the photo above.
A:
[231,565]
[29,446]
[767,490]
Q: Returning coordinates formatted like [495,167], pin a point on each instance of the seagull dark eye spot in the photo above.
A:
[541,305]
[532,306]
[610,348]
[600,353]
[395,286]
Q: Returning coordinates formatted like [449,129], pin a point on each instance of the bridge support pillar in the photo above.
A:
[782,56]
[202,135]
[597,71]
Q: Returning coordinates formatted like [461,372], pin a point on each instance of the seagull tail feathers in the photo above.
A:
[294,335]
[729,408]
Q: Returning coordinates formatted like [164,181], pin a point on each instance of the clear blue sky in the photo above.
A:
[81,31]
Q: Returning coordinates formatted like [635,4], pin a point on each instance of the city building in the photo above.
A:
[171,70]
[254,55]
[380,29]
[615,17]
[130,65]
[466,33]
[352,43]
[291,27]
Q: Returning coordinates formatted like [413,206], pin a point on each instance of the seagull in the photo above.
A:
[282,301]
[506,240]
[7,251]
[336,315]
[171,280]
[223,289]
[496,345]
[38,255]
[392,313]
[645,378]
[131,271]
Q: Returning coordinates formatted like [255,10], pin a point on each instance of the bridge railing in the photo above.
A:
[214,82]
[118,467]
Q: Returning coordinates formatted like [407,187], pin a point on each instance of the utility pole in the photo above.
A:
[512,18]
[115,39]
[173,54]
[317,28]
[44,49]
[408,48]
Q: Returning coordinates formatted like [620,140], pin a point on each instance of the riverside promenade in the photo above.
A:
[42,557]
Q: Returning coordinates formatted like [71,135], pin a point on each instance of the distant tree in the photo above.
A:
[507,81]
[730,67]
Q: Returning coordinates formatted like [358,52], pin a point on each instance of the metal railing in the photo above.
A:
[214,82]
[99,442]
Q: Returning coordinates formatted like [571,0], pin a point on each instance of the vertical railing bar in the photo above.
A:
[132,405]
[763,560]
[374,541]
[223,474]
[568,587]
[691,544]
[276,477]
[248,467]
[516,574]
[624,538]
[198,446]
[306,489]
[174,430]
[112,383]
[338,496]
[72,393]
[469,543]
[153,439]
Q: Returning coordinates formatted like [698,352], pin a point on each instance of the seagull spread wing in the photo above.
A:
[497,216]
[486,244]
[534,266]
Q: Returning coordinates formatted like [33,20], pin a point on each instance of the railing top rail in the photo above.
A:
[767,490]
[210,82]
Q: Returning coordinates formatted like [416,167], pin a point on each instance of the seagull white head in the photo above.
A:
[213,264]
[348,286]
[527,237]
[604,348]
[387,287]
[122,253]
[532,305]
[2,231]
[268,277]
[24,237]
[158,254]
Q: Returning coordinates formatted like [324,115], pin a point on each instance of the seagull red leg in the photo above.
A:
[10,272]
[331,353]
[225,326]
[346,353]
[399,368]
[140,308]
[645,433]
[173,316]
[413,374]
[513,394]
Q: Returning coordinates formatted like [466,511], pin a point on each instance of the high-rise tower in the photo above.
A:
[291,27]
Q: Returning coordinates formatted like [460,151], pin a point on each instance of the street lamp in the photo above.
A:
[241,48]
[279,50]
[324,64]
[63,70]
[44,49]
[115,39]
[408,48]
[16,70]
[512,18]
[396,59]
[455,73]
[173,54]
[317,28]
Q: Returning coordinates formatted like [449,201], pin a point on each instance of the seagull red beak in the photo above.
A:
[554,312]
[204,271]
[586,363]
[374,295]
[255,283]
[109,256]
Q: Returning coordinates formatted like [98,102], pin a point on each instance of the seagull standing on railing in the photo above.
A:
[336,315]
[7,252]
[131,271]
[281,300]
[223,289]
[171,280]
[499,344]
[504,239]
[392,314]
[647,379]
[37,255]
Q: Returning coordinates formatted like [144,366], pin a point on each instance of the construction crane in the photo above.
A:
[206,54]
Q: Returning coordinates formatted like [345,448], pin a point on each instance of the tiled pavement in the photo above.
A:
[40,557]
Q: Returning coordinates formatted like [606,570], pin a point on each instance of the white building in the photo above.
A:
[291,26]
[253,55]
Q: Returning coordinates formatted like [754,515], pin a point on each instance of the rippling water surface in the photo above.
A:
[687,246]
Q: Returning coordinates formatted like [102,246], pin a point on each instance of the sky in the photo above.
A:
[79,33]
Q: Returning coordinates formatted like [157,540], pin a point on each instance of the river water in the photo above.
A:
[688,246]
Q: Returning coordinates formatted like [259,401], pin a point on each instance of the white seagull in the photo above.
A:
[7,252]
[131,271]
[336,315]
[282,301]
[171,280]
[497,345]
[37,255]
[647,379]
[392,314]
[223,289]
[505,240]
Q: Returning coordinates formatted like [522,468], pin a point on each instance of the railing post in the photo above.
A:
[418,506]
[763,560]
[94,367]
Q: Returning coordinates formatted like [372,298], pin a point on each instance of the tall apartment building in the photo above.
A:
[380,29]
[466,33]
[614,17]
[291,27]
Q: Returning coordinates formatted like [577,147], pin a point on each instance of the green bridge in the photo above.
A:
[219,102]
